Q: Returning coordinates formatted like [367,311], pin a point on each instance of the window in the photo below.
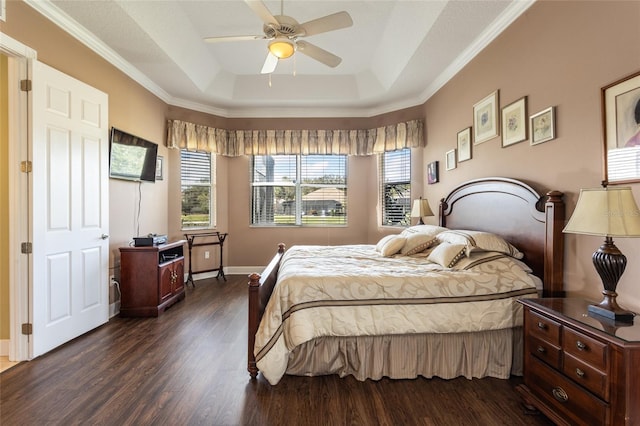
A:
[198,189]
[395,187]
[299,190]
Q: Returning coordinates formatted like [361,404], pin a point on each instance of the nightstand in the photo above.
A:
[580,368]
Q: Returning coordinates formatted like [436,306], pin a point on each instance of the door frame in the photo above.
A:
[21,58]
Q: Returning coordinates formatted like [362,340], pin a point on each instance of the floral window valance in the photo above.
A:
[233,143]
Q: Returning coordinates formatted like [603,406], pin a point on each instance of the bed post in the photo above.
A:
[260,288]
[554,246]
[254,320]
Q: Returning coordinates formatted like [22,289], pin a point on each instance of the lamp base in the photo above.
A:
[608,308]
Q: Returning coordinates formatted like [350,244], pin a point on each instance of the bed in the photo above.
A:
[356,310]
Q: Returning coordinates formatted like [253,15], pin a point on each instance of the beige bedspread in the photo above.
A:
[353,291]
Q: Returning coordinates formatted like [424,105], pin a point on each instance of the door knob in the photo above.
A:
[104,236]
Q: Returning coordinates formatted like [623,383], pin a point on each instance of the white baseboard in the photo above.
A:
[114,309]
[4,347]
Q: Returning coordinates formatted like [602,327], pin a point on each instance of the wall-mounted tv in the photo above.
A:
[131,157]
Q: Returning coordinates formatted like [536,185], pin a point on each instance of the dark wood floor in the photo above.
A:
[188,367]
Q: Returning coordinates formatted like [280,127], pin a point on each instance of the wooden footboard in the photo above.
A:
[260,288]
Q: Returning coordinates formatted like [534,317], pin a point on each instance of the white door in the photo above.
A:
[70,209]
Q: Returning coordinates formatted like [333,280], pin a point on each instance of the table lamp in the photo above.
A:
[607,212]
[420,209]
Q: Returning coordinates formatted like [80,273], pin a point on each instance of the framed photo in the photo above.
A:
[621,115]
[432,173]
[514,122]
[485,119]
[543,126]
[451,159]
[159,167]
[464,144]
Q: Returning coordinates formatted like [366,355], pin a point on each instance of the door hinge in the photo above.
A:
[27,329]
[26,166]
[26,248]
[25,85]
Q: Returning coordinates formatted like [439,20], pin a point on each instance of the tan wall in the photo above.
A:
[4,204]
[558,53]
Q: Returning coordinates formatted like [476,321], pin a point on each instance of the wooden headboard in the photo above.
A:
[514,210]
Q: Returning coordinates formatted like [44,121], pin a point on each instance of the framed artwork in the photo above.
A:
[621,115]
[159,167]
[451,159]
[432,173]
[514,122]
[543,126]
[485,119]
[464,144]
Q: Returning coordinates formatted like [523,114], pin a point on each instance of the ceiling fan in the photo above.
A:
[284,34]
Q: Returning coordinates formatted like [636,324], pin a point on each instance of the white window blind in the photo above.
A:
[197,171]
[395,187]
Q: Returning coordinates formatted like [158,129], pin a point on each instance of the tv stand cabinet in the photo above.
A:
[151,279]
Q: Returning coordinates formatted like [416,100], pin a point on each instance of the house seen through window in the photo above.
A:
[299,190]
[197,177]
[395,187]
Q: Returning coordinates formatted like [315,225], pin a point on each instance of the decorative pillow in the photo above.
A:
[479,241]
[447,255]
[390,245]
[417,242]
[423,229]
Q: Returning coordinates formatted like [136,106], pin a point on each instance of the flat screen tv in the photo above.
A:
[131,157]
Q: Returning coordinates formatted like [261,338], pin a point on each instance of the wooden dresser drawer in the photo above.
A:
[590,351]
[583,374]
[543,328]
[570,400]
[545,351]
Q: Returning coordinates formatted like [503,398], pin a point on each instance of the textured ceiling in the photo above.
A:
[396,54]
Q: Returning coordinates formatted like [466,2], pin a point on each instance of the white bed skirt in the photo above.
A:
[496,353]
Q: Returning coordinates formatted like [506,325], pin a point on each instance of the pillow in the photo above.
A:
[423,229]
[479,241]
[416,243]
[447,255]
[390,245]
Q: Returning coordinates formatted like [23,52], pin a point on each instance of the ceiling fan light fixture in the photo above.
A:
[282,48]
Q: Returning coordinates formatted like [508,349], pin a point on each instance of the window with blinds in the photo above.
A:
[299,190]
[197,177]
[395,187]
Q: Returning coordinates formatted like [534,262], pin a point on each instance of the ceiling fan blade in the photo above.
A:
[269,64]
[261,10]
[332,22]
[234,38]
[318,54]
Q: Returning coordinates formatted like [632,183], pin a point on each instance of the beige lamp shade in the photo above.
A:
[611,212]
[421,208]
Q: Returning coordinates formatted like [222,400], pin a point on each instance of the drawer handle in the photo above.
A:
[560,394]
[579,373]
[541,349]
[541,325]
[581,346]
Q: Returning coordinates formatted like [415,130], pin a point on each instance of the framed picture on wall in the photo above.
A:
[432,173]
[543,126]
[3,10]
[514,122]
[451,159]
[621,114]
[485,119]
[159,167]
[464,144]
